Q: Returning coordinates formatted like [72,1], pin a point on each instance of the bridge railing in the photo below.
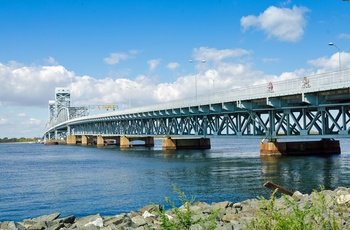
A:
[317,82]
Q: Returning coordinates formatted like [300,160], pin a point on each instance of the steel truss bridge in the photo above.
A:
[292,109]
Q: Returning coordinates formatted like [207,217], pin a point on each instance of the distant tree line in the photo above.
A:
[22,139]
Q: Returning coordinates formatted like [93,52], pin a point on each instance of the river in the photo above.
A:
[40,179]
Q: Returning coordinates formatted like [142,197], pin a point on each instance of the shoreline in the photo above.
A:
[25,142]
[331,204]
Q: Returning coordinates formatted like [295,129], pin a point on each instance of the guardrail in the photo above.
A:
[318,82]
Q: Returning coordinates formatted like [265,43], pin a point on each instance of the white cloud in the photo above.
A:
[3,121]
[51,61]
[153,64]
[215,55]
[282,23]
[32,121]
[21,115]
[31,85]
[332,63]
[173,65]
[115,58]
[343,35]
[266,60]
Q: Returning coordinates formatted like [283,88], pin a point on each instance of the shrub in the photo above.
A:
[184,217]
[313,214]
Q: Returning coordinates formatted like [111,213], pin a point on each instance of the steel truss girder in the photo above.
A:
[272,123]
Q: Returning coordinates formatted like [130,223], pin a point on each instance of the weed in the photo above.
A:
[183,218]
[313,214]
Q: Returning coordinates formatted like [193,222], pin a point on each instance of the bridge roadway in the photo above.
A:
[293,109]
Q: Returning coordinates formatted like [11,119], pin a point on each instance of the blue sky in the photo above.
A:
[137,52]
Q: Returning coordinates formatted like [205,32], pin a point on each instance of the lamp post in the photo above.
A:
[213,84]
[195,76]
[332,44]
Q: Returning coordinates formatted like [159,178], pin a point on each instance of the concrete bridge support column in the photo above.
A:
[322,147]
[86,140]
[124,142]
[100,141]
[71,140]
[199,143]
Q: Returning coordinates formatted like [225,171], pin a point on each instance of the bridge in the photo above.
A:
[315,107]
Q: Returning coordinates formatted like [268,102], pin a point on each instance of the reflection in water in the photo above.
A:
[302,173]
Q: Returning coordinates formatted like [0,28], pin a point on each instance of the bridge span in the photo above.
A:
[315,107]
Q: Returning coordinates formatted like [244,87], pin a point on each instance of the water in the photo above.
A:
[75,180]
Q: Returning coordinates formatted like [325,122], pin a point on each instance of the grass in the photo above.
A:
[184,218]
[316,213]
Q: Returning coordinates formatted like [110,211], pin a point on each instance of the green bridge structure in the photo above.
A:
[313,110]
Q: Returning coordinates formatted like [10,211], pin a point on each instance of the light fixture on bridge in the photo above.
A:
[195,76]
[332,44]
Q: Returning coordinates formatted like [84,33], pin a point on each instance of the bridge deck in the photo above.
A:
[322,109]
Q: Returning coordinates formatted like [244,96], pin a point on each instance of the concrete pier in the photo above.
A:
[322,147]
[71,140]
[100,141]
[87,140]
[199,143]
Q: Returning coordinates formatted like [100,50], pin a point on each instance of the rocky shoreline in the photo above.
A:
[334,205]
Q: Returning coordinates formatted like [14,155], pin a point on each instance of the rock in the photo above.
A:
[95,220]
[42,222]
[342,191]
[43,218]
[138,221]
[147,214]
[67,220]
[221,205]
[150,208]
[133,214]
[98,223]
[116,220]
[343,199]
[297,196]
[125,224]
[11,225]
[229,217]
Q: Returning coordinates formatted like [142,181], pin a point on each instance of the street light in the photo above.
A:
[332,44]
[195,76]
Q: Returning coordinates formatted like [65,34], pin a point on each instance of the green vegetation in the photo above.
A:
[183,217]
[314,214]
[18,140]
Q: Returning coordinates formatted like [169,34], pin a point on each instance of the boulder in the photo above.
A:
[116,220]
[343,199]
[138,221]
[67,220]
[150,208]
[95,220]
[221,205]
[297,196]
[230,217]
[43,218]
[147,214]
[11,225]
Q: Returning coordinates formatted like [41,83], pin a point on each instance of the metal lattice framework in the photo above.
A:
[276,123]
[290,111]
